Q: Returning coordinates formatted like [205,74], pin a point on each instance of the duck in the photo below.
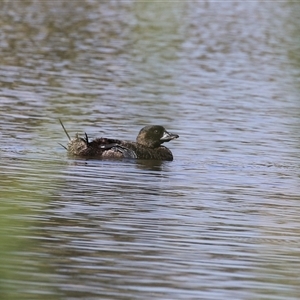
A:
[148,145]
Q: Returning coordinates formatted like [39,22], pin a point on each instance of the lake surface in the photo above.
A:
[221,221]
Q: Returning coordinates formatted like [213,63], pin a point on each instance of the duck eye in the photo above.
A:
[155,131]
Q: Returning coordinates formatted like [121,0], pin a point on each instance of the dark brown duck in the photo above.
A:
[148,145]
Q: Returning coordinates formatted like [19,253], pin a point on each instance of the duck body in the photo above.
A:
[148,145]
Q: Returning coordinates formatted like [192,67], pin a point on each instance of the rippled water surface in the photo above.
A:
[221,221]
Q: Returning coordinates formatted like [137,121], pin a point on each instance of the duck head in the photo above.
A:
[154,136]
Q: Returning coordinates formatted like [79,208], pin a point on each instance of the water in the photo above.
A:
[221,220]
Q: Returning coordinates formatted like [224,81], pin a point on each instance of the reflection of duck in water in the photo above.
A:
[147,145]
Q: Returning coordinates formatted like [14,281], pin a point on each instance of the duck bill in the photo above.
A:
[168,136]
